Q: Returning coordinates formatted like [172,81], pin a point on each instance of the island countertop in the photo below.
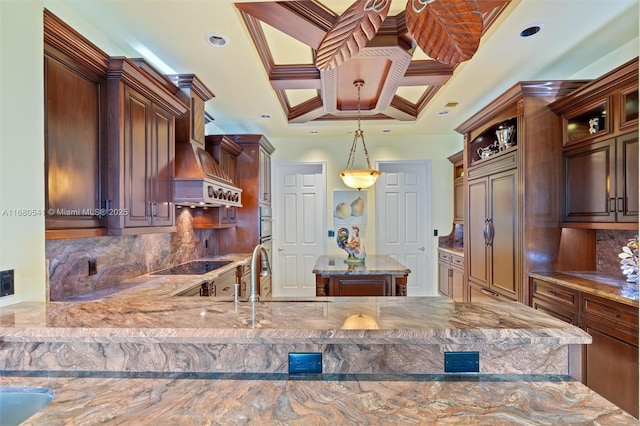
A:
[373,265]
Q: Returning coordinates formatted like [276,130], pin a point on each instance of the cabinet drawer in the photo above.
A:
[444,256]
[558,294]
[609,312]
[555,311]
[457,261]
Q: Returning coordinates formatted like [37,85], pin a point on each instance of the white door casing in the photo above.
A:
[403,219]
[299,224]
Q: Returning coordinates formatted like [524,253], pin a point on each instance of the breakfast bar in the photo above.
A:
[145,351]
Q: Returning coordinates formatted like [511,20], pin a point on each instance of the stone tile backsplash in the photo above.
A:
[123,257]
[608,245]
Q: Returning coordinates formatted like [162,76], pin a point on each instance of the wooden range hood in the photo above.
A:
[199,180]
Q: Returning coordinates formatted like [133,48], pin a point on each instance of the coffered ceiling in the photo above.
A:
[382,52]
[265,81]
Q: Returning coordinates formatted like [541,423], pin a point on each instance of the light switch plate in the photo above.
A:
[6,283]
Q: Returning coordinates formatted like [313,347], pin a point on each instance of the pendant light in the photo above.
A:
[358,178]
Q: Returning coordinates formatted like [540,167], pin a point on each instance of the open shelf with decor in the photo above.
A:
[498,138]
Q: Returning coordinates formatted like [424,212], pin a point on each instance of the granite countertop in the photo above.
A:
[453,250]
[608,286]
[373,265]
[415,320]
[148,310]
[360,399]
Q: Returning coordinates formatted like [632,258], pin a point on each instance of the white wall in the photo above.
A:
[21,149]
[334,152]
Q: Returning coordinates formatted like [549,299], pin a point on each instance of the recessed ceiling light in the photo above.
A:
[217,40]
[443,112]
[313,132]
[265,116]
[386,130]
[531,30]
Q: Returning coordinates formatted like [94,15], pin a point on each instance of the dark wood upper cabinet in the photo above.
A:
[141,138]
[109,139]
[74,128]
[600,135]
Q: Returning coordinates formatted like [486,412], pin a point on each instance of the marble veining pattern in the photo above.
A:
[422,320]
[119,258]
[358,400]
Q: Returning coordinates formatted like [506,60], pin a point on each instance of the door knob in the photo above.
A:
[279,249]
[422,249]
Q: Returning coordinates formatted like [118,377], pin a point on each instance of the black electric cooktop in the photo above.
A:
[198,267]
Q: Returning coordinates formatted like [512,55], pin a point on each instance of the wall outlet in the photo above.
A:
[305,362]
[461,362]
[6,283]
[93,267]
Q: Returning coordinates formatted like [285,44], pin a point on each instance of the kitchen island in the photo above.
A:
[378,275]
[145,353]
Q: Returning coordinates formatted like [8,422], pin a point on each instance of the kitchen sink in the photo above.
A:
[18,403]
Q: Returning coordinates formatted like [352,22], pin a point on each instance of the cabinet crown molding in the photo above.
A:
[124,70]
[62,37]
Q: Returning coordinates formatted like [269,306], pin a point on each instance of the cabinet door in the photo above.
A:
[137,155]
[458,201]
[265,177]
[627,178]
[503,233]
[443,278]
[74,166]
[457,284]
[162,164]
[611,365]
[587,191]
[477,217]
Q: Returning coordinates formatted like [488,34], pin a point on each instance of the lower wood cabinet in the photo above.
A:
[361,285]
[610,362]
[451,275]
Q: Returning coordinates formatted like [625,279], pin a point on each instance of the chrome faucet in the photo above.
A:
[265,270]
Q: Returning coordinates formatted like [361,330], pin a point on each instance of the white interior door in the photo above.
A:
[403,219]
[299,226]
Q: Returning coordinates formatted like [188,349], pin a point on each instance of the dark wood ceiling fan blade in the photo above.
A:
[353,29]
[448,31]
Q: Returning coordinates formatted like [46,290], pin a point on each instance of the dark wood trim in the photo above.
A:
[541,89]
[124,70]
[623,76]
[70,42]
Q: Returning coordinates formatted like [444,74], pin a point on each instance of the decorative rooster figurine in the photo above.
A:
[352,246]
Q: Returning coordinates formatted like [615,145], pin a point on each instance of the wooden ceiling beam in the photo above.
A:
[283,77]
[427,73]
[285,18]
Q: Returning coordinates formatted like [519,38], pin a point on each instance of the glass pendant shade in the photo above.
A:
[358,178]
